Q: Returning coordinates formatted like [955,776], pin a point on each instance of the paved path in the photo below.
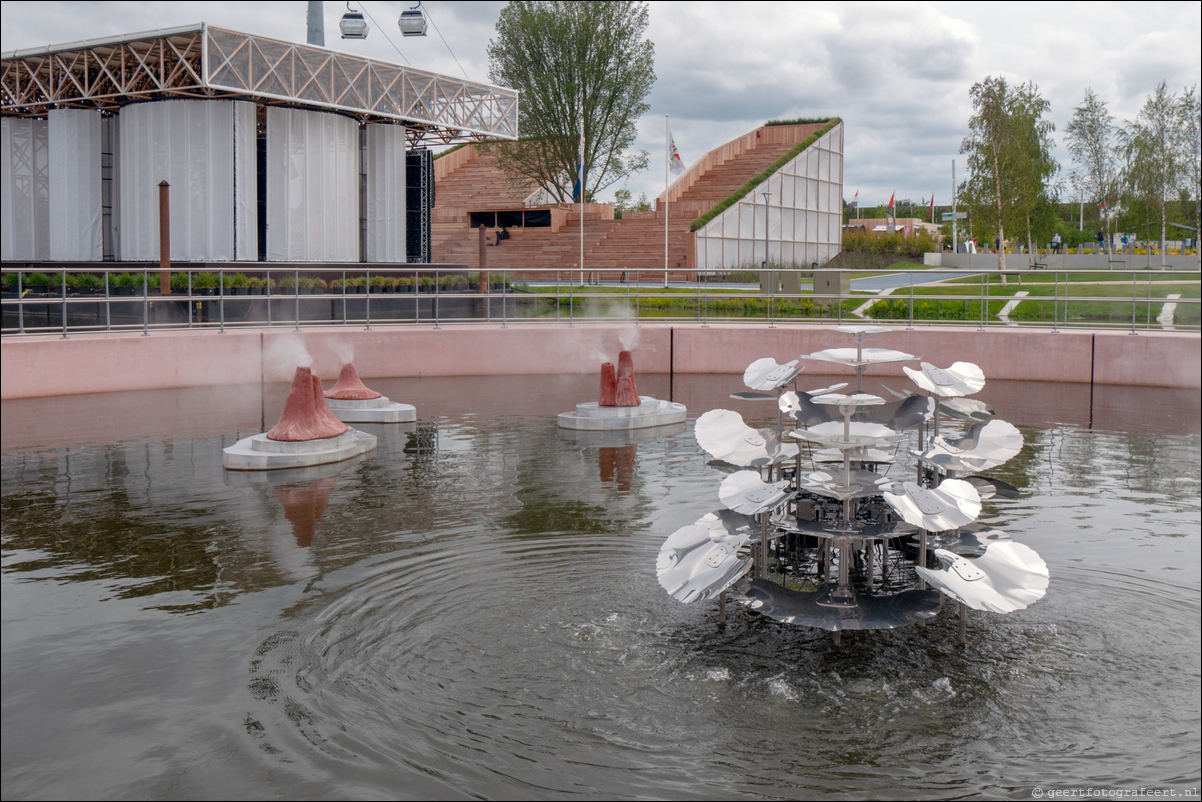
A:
[1009,307]
[1165,318]
[861,311]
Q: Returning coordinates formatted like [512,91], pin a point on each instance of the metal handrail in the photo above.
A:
[286,303]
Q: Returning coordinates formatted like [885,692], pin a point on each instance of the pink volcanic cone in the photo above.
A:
[304,418]
[349,387]
[628,392]
[609,386]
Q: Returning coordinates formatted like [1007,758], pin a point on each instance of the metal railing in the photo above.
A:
[126,297]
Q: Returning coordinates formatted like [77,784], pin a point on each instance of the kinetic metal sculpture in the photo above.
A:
[855,548]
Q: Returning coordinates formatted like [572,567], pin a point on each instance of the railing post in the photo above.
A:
[1148,307]
[108,303]
[21,301]
[839,294]
[1056,300]
[63,274]
[437,293]
[296,293]
[221,300]
[145,302]
[911,326]
[1134,284]
[190,301]
[367,301]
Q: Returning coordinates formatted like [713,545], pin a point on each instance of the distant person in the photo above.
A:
[1101,238]
[503,234]
[1124,241]
[1056,243]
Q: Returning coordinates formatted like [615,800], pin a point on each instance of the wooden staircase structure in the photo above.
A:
[628,249]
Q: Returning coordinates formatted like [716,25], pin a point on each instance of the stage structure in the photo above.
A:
[799,222]
[303,151]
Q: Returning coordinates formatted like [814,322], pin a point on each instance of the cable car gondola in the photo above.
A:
[353,25]
[412,21]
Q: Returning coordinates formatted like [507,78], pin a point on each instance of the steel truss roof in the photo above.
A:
[201,61]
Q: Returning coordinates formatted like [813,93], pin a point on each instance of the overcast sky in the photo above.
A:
[898,74]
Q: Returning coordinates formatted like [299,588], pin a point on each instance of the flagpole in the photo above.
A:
[580,178]
[667,161]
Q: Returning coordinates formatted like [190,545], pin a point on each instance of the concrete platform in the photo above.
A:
[257,453]
[651,412]
[372,410]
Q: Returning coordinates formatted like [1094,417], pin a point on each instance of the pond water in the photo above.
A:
[472,610]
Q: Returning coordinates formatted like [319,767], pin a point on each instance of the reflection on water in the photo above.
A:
[472,610]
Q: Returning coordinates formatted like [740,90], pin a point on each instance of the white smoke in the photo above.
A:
[283,354]
[341,349]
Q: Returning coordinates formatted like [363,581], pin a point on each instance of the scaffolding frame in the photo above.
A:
[202,61]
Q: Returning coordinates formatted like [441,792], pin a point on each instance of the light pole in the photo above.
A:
[766,195]
[770,276]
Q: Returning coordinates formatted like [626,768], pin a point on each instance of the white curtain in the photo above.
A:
[75,201]
[385,193]
[24,189]
[189,144]
[312,186]
[246,183]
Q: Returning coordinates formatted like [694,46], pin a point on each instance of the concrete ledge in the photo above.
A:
[1062,261]
[651,412]
[256,453]
[373,410]
[40,366]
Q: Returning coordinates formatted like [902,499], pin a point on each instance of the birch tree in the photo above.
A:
[1090,137]
[1151,146]
[1009,157]
[1190,145]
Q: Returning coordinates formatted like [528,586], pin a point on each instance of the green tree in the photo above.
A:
[1151,148]
[1035,202]
[1090,137]
[1009,160]
[579,67]
[1190,138]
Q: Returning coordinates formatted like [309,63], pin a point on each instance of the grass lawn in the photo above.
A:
[938,303]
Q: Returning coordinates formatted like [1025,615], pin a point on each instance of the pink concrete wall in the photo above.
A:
[1164,359]
[1010,353]
[48,365]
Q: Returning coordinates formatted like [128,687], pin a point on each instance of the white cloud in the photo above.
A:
[898,74]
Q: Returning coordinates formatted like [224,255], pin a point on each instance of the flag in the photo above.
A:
[576,188]
[855,200]
[931,215]
[674,161]
[891,200]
